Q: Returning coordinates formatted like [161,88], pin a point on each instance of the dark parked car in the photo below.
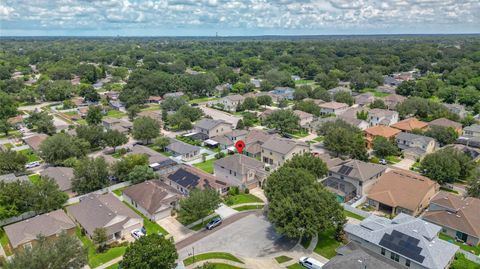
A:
[214,223]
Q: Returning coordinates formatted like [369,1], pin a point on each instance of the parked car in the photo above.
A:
[310,263]
[383,161]
[32,164]
[214,223]
[137,233]
[143,230]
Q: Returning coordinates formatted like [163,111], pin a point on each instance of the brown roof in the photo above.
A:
[152,195]
[190,177]
[47,224]
[410,124]
[154,98]
[15,120]
[333,105]
[444,122]
[62,175]
[401,188]
[461,214]
[34,141]
[254,136]
[302,114]
[382,130]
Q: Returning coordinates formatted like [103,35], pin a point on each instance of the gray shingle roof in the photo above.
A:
[282,145]
[181,147]
[437,253]
[152,195]
[473,128]
[240,163]
[359,170]
[414,137]
[9,178]
[62,175]
[208,123]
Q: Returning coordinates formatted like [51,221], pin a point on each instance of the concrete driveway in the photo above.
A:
[250,236]
[224,211]
[404,164]
[175,228]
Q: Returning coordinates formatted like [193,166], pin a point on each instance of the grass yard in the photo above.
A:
[202,100]
[304,81]
[31,156]
[295,266]
[150,226]
[4,242]
[35,178]
[243,199]
[305,242]
[8,146]
[299,134]
[113,266]
[206,166]
[97,259]
[151,108]
[376,93]
[475,250]
[282,259]
[119,191]
[319,138]
[200,226]
[116,114]
[352,215]
[460,262]
[211,256]
[327,244]
[224,266]
[393,159]
[248,207]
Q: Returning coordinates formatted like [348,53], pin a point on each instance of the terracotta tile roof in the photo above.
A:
[410,124]
[382,130]
[401,188]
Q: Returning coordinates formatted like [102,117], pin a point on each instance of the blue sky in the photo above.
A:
[236,17]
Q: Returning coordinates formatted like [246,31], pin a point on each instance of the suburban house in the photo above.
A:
[153,114]
[153,198]
[173,94]
[379,130]
[282,93]
[393,100]
[457,109]
[154,100]
[305,118]
[364,99]
[410,242]
[123,126]
[16,121]
[386,89]
[24,234]
[105,211]
[241,171]
[472,130]
[379,116]
[253,142]
[222,141]
[230,102]
[276,150]
[63,176]
[410,124]
[401,191]
[333,108]
[352,178]
[415,146]
[338,89]
[236,135]
[459,217]
[264,115]
[360,124]
[9,178]
[185,151]
[186,178]
[213,128]
[444,122]
[35,141]
[158,162]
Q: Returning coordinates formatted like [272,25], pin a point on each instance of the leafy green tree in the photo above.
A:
[5,126]
[468,96]
[298,205]
[473,187]
[48,195]
[145,129]
[42,121]
[90,174]
[344,97]
[132,111]
[279,78]
[94,115]
[447,165]
[8,106]
[322,94]
[378,103]
[162,142]
[173,103]
[89,93]
[362,115]
[92,134]
[199,204]
[264,100]
[100,238]
[406,88]
[64,252]
[343,139]
[122,168]
[12,162]
[383,147]
[59,147]
[300,94]
[114,138]
[308,106]
[283,120]
[250,103]
[444,135]
[141,173]
[326,81]
[55,90]
[150,252]
[240,125]
[448,94]
[308,162]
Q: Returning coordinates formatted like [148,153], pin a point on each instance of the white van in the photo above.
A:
[310,263]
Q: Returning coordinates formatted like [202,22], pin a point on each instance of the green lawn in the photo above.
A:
[295,266]
[151,108]
[475,250]
[327,244]
[211,256]
[393,159]
[282,259]
[299,134]
[8,145]
[31,156]
[460,262]
[203,99]
[243,199]
[304,81]
[35,178]
[248,207]
[352,215]
[114,266]
[116,114]
[119,192]
[206,166]
[201,225]
[224,266]
[4,242]
[376,93]
[97,259]
[150,226]
[319,138]
[305,242]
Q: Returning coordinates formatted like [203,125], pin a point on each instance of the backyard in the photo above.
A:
[472,249]
[327,244]
[115,114]
[210,256]
[31,156]
[206,166]
[242,199]
[352,215]
[35,178]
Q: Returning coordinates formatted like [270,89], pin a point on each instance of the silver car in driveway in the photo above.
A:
[214,223]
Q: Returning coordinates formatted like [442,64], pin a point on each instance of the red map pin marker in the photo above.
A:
[240,145]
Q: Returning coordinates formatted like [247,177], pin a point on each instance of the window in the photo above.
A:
[394,256]
[407,263]
[383,252]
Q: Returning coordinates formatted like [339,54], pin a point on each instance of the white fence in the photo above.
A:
[470,256]
[357,211]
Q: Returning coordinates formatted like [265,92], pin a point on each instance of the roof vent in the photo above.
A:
[100,205]
[415,231]
[457,216]
[109,213]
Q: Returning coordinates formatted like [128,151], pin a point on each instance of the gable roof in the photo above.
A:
[208,124]
[181,147]
[410,124]
[282,145]
[473,128]
[414,138]
[235,98]
[402,188]
[444,122]
[153,156]
[362,171]
[46,224]
[424,246]
[240,163]
[35,141]
[191,177]
[382,130]
[333,105]
[378,112]
[62,175]
[254,136]
[302,114]
[458,213]
[103,211]
[9,178]
[152,195]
